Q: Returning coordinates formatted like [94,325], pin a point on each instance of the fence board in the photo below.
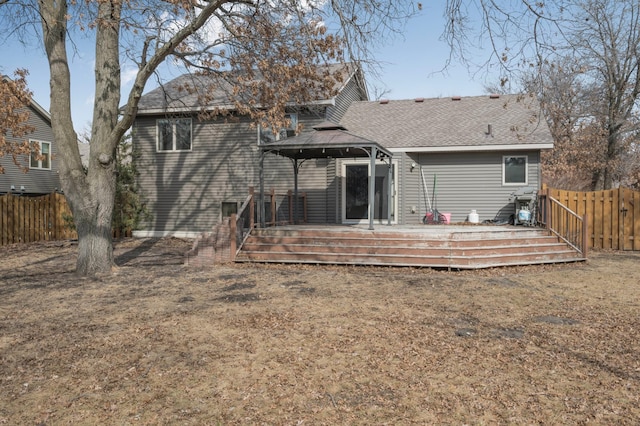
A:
[28,219]
[613,216]
[635,214]
[4,233]
[613,219]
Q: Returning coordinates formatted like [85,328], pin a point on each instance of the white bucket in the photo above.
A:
[473,217]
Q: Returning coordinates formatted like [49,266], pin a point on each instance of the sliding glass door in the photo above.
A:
[355,193]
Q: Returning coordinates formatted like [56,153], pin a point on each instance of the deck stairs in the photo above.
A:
[447,247]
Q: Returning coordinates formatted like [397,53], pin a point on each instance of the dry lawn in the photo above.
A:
[160,343]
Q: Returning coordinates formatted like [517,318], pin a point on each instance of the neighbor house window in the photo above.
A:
[174,135]
[40,155]
[514,170]
[266,133]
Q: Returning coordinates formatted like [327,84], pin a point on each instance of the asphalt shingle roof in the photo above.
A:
[450,123]
[183,92]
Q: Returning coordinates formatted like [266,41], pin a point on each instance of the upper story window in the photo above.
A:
[40,158]
[514,170]
[266,133]
[174,134]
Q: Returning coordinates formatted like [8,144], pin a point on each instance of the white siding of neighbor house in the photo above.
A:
[35,181]
[464,181]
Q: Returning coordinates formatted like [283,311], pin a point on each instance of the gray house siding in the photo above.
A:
[333,193]
[350,93]
[406,189]
[35,181]
[464,182]
[184,191]
[461,141]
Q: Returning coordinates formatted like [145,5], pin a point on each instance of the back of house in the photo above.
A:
[195,171]
[456,154]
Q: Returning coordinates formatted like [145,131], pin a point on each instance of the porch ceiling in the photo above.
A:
[328,140]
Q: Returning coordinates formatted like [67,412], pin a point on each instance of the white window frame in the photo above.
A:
[282,134]
[526,170]
[174,134]
[39,166]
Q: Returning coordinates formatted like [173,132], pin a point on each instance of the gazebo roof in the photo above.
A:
[328,140]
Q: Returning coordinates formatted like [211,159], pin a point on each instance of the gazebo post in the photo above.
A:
[390,197]
[295,191]
[372,184]
[261,211]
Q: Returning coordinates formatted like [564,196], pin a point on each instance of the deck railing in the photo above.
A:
[563,222]
[241,224]
[280,208]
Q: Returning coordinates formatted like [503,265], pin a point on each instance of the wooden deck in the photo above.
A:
[434,246]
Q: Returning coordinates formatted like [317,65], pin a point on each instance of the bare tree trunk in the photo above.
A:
[95,249]
[597,181]
[90,195]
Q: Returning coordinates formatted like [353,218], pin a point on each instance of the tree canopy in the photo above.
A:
[585,59]
[14,116]
[259,48]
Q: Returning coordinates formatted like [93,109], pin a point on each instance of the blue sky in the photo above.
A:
[411,66]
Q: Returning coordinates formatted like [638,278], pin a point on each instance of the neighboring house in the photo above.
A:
[480,149]
[42,175]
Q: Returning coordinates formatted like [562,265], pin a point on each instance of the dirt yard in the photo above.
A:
[160,343]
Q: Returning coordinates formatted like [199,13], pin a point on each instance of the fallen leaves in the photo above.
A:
[232,345]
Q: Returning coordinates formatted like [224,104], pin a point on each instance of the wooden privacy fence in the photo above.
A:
[28,219]
[613,215]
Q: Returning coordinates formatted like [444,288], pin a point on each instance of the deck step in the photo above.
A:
[447,248]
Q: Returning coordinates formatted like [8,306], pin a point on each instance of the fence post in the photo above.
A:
[3,220]
[585,235]
[622,213]
[251,208]
[547,208]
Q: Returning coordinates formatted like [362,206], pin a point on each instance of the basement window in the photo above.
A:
[229,208]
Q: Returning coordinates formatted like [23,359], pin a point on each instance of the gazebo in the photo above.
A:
[328,140]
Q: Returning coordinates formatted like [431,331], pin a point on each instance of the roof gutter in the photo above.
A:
[224,107]
[474,148]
